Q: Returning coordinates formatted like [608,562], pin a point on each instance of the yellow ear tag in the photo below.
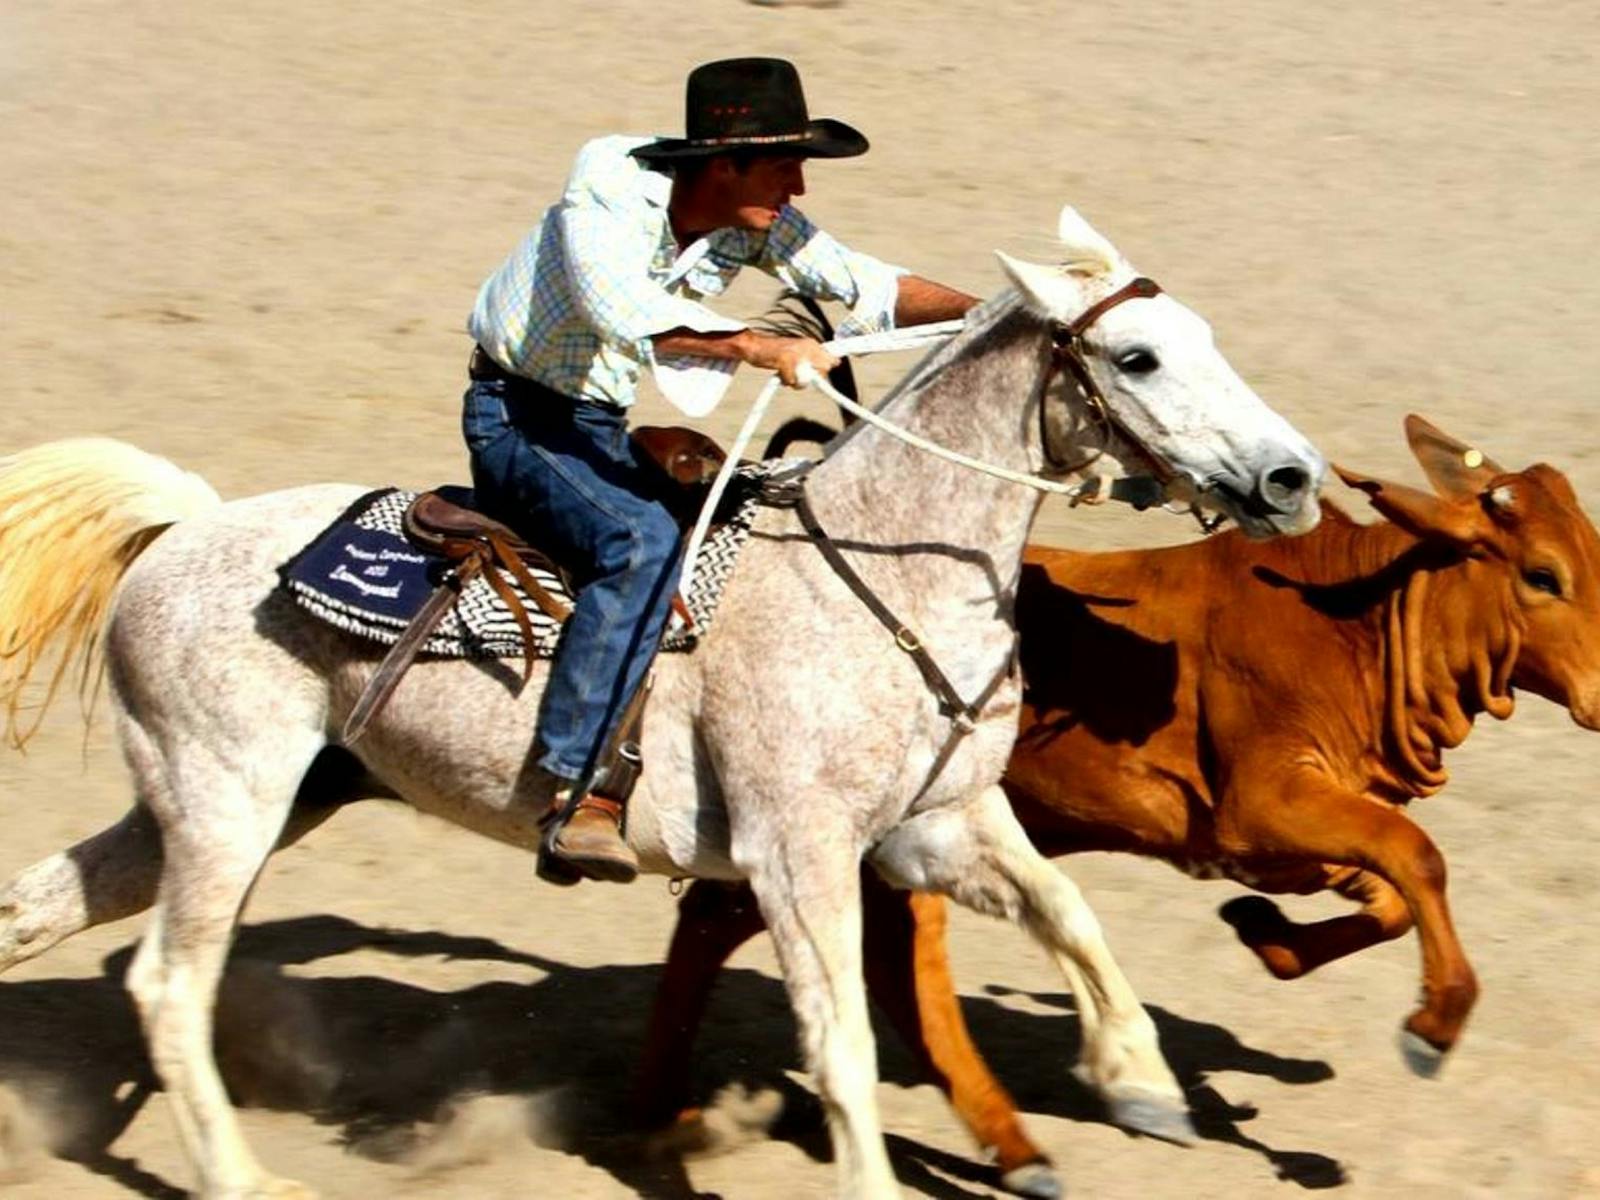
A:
[1473,458]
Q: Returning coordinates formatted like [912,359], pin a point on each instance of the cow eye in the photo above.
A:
[1542,579]
[1138,361]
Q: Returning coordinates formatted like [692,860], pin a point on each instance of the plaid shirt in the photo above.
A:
[576,304]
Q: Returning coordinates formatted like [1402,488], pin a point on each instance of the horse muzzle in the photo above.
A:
[1278,498]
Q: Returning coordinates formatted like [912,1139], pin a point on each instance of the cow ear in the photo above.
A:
[1455,469]
[1421,513]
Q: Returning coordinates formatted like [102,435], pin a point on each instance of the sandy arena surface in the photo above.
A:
[245,236]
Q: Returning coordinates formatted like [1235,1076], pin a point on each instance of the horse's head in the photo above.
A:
[1174,401]
[1538,555]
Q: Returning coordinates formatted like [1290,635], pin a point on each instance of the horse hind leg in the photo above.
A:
[978,856]
[217,829]
[114,873]
[102,878]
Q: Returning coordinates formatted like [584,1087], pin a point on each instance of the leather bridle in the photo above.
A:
[1067,357]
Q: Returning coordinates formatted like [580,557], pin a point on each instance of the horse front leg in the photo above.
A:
[978,855]
[807,881]
[907,975]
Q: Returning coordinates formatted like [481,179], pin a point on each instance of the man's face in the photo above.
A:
[755,196]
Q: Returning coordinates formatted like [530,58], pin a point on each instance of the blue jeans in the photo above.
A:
[563,474]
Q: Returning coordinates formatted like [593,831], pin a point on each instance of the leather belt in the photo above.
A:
[481,368]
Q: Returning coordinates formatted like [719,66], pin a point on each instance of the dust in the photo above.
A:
[737,1116]
[477,1128]
[24,1138]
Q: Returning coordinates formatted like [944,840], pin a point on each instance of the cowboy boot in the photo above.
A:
[591,842]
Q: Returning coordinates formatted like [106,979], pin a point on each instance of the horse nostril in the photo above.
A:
[1287,481]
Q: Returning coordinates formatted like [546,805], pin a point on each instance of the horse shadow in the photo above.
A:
[1194,1049]
[382,1060]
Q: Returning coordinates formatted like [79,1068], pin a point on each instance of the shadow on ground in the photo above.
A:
[380,1059]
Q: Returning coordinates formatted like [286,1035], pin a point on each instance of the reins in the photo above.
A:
[1067,355]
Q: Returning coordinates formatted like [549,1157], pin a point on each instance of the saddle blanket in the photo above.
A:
[362,575]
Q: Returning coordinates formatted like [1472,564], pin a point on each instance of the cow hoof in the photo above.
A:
[1254,918]
[1035,1180]
[1423,1058]
[1153,1116]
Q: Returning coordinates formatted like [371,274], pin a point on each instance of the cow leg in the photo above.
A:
[1290,950]
[978,855]
[714,920]
[908,976]
[1313,818]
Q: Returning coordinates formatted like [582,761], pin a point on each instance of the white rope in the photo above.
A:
[1074,490]
[911,338]
[691,553]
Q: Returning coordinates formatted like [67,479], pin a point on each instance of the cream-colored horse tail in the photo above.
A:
[74,515]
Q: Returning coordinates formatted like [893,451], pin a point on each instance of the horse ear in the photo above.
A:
[1421,513]
[1049,291]
[1084,248]
[1455,469]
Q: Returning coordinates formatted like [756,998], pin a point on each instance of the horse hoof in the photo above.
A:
[1154,1116]
[1423,1058]
[1035,1180]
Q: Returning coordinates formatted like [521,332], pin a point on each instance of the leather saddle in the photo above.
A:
[475,544]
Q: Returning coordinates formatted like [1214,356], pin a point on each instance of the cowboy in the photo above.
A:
[609,284]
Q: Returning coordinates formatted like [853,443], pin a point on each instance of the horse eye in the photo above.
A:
[1137,362]
[1542,579]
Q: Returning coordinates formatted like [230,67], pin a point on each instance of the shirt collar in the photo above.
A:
[655,186]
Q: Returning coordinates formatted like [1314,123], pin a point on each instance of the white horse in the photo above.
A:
[798,739]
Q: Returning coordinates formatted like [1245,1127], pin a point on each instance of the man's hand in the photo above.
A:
[785,355]
[789,355]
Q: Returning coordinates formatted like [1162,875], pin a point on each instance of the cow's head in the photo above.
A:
[1529,526]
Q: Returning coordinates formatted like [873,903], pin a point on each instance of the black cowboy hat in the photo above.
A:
[752,103]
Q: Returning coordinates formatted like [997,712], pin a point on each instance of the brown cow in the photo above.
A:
[1260,711]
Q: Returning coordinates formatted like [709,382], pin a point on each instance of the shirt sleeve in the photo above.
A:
[607,250]
[803,257]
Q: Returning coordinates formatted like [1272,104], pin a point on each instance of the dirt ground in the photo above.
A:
[246,236]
